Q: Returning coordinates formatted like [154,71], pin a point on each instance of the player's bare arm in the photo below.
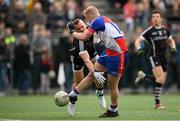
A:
[85,56]
[171,43]
[82,36]
[138,42]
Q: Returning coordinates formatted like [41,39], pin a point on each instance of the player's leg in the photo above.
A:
[160,76]
[100,94]
[112,83]
[159,68]
[78,75]
[86,82]
[100,87]
[147,77]
[113,87]
[114,74]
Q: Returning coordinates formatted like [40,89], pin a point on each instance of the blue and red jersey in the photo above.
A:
[110,33]
[114,57]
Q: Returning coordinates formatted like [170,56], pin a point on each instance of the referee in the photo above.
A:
[158,38]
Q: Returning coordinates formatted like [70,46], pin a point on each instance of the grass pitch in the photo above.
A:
[132,107]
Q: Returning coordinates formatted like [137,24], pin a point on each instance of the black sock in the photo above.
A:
[157,92]
[149,78]
[73,95]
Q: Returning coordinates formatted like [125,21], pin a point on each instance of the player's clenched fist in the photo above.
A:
[70,26]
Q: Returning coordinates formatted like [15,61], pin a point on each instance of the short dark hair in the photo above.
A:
[76,21]
[157,11]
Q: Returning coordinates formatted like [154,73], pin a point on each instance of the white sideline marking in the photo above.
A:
[77,120]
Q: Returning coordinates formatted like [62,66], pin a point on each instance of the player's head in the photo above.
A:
[157,18]
[79,25]
[91,13]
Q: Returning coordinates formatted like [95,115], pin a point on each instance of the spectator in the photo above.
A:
[45,5]
[176,7]
[22,65]
[71,10]
[9,37]
[39,45]
[129,11]
[2,27]
[4,10]
[36,16]
[10,40]
[83,4]
[62,47]
[56,19]
[3,60]
[142,13]
[29,6]
[160,4]
[117,3]
[46,69]
[17,18]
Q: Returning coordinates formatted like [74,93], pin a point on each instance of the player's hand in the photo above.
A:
[173,51]
[70,26]
[99,77]
[140,51]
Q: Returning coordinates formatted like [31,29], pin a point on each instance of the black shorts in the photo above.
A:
[77,61]
[159,61]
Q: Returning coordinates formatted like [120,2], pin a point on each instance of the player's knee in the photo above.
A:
[111,85]
[160,79]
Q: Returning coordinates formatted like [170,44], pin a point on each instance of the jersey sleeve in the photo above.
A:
[81,46]
[169,34]
[97,25]
[145,35]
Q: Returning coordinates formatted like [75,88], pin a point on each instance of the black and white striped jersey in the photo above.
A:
[80,46]
[156,38]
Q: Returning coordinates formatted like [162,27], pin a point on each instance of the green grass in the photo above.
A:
[132,107]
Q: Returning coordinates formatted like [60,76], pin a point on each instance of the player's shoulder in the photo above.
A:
[106,19]
[148,29]
[98,24]
[98,19]
[165,27]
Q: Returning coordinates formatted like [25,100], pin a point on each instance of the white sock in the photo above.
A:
[100,92]
[73,93]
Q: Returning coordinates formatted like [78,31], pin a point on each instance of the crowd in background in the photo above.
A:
[34,41]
